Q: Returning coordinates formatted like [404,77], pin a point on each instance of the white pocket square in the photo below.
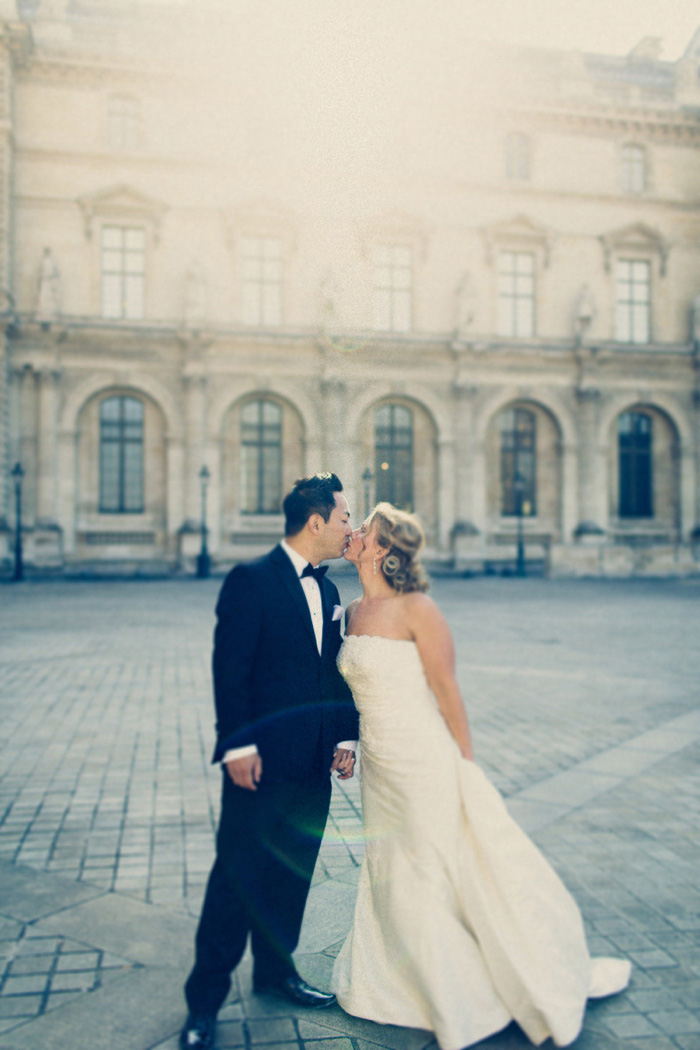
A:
[337,612]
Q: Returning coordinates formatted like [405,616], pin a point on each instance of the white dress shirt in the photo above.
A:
[312,593]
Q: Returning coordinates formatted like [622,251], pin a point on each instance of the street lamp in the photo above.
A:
[367,478]
[203,559]
[18,474]
[519,486]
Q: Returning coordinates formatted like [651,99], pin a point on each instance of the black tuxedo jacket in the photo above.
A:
[271,686]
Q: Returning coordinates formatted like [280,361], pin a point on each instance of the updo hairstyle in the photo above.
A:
[403,537]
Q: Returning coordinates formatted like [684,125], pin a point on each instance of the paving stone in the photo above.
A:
[675,1022]
[105,783]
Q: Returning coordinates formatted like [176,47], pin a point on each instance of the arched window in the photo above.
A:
[121,455]
[634,441]
[518,427]
[261,458]
[393,455]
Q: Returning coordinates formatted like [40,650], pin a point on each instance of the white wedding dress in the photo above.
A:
[461,926]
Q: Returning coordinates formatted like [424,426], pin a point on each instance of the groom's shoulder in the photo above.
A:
[247,573]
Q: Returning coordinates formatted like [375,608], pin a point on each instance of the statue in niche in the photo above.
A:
[195,297]
[584,313]
[464,307]
[328,303]
[49,301]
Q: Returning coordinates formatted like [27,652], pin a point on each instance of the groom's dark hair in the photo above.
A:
[314,495]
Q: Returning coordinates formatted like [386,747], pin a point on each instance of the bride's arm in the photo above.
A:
[436,648]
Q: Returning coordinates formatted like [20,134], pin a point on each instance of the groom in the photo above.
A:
[285,719]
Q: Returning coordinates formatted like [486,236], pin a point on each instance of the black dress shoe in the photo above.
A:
[198,1032]
[297,991]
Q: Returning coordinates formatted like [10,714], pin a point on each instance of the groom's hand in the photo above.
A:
[245,772]
[343,763]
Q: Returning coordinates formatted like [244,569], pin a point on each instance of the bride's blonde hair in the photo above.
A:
[402,535]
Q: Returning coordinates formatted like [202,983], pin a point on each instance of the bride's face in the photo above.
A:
[364,545]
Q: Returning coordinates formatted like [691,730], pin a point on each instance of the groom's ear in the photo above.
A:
[314,523]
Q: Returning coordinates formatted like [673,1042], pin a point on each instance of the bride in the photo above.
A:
[461,926]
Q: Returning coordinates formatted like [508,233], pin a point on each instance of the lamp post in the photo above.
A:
[18,474]
[519,486]
[203,559]
[367,477]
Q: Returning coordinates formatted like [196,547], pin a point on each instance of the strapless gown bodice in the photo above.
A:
[461,925]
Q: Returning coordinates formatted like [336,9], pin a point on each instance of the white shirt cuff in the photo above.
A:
[347,745]
[239,752]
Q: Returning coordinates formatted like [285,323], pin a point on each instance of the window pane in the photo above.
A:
[393,280]
[516,294]
[261,457]
[633,301]
[261,274]
[518,462]
[123,268]
[121,455]
[393,443]
[635,464]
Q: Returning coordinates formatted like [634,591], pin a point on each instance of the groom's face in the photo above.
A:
[336,532]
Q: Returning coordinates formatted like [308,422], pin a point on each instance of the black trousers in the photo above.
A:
[266,849]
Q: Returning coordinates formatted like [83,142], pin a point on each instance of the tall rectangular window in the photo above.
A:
[516,294]
[635,465]
[517,157]
[393,279]
[121,455]
[518,462]
[393,453]
[261,269]
[123,272]
[632,301]
[123,123]
[634,177]
[261,457]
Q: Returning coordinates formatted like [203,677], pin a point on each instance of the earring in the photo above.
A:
[374,565]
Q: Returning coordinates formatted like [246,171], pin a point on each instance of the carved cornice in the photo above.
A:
[667,126]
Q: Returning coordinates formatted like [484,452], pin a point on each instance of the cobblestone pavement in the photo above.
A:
[583,698]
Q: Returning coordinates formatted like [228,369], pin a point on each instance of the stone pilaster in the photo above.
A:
[47,472]
[591,476]
[466,526]
[695,526]
[195,384]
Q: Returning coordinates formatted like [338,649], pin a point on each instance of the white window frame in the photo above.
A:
[633,168]
[517,292]
[123,250]
[633,299]
[123,122]
[262,279]
[392,287]
[517,157]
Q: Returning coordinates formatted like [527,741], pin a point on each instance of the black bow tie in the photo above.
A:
[317,573]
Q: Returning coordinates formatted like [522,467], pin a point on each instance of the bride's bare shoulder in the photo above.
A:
[419,607]
[350,609]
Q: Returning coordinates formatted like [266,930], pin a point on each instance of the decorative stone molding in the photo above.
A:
[636,237]
[395,228]
[120,203]
[518,232]
[260,218]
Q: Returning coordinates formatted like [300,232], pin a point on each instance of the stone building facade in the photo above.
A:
[474,294]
